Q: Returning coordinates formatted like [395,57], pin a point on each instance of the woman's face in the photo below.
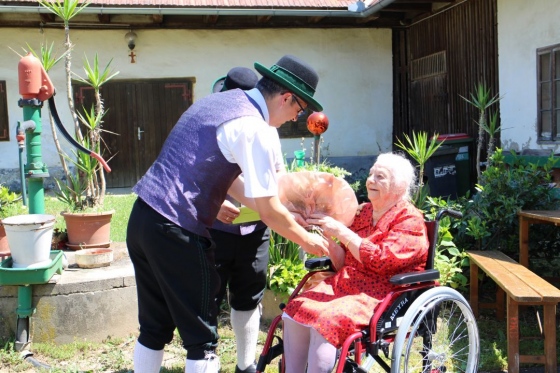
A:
[378,183]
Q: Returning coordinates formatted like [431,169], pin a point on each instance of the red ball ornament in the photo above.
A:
[317,123]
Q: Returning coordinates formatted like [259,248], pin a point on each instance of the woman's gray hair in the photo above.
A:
[402,171]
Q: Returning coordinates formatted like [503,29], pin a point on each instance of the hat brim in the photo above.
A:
[264,71]
[218,85]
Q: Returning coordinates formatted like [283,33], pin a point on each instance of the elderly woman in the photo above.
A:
[387,237]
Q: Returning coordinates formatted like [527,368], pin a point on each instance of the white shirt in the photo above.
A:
[255,146]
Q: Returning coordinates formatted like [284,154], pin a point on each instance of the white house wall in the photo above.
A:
[354,66]
[523,26]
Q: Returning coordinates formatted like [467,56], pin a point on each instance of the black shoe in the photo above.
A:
[250,369]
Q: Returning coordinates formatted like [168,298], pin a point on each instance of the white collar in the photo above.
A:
[256,95]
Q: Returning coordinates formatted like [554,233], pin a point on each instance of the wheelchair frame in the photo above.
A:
[409,319]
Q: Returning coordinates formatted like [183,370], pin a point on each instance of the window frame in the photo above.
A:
[4,117]
[552,52]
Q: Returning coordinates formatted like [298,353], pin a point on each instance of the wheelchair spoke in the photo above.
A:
[440,336]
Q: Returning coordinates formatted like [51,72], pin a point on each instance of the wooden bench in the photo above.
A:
[521,287]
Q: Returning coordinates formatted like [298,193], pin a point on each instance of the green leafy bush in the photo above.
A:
[449,260]
[9,202]
[490,219]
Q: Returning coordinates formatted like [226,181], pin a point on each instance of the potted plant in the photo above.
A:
[9,206]
[84,189]
[86,226]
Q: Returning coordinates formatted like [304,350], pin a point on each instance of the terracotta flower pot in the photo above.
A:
[87,230]
[4,247]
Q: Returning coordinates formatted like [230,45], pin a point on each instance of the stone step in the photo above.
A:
[80,304]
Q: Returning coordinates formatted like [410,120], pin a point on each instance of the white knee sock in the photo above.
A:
[321,355]
[210,364]
[296,345]
[245,325]
[147,360]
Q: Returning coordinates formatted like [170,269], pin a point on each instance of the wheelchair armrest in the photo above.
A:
[318,263]
[413,277]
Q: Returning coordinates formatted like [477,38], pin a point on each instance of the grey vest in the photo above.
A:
[189,180]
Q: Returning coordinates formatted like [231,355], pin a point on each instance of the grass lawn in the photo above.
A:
[115,355]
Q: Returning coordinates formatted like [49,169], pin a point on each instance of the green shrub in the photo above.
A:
[490,219]
[9,203]
[448,260]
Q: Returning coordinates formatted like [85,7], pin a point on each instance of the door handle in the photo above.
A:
[140,132]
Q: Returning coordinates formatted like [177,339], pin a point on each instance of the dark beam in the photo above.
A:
[211,19]
[47,17]
[370,18]
[314,19]
[104,18]
[263,19]
[157,18]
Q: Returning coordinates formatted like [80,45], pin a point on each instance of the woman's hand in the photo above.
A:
[337,254]
[228,212]
[330,226]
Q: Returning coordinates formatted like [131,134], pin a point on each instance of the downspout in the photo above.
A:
[366,12]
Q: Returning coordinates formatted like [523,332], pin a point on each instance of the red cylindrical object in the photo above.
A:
[34,82]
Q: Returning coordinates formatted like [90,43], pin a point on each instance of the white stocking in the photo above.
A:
[147,360]
[296,345]
[322,354]
[245,325]
[210,364]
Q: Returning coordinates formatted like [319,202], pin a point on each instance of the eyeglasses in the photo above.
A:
[300,112]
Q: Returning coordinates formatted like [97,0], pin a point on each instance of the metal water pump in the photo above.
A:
[35,87]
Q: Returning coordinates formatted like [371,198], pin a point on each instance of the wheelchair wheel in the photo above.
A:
[438,334]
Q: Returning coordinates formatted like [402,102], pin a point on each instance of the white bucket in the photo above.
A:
[30,238]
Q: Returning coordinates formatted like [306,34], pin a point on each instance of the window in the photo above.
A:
[295,130]
[548,93]
[4,123]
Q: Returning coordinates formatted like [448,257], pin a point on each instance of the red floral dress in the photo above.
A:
[342,304]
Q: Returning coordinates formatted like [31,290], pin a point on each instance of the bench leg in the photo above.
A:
[513,335]
[550,337]
[500,303]
[474,289]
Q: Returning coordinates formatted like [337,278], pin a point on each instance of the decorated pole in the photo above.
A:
[317,124]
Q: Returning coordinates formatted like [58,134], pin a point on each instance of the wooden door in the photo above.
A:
[429,90]
[139,116]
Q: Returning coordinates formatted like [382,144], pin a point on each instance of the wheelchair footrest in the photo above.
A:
[272,353]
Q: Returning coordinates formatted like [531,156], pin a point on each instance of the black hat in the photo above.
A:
[238,77]
[296,75]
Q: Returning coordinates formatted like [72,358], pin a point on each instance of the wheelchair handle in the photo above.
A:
[453,213]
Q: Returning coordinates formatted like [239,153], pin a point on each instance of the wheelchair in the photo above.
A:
[420,327]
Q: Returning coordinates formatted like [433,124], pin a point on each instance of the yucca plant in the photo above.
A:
[492,129]
[482,99]
[66,10]
[420,150]
[87,125]
[93,122]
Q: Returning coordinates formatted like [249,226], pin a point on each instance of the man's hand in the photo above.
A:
[316,245]
[228,212]
[299,219]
